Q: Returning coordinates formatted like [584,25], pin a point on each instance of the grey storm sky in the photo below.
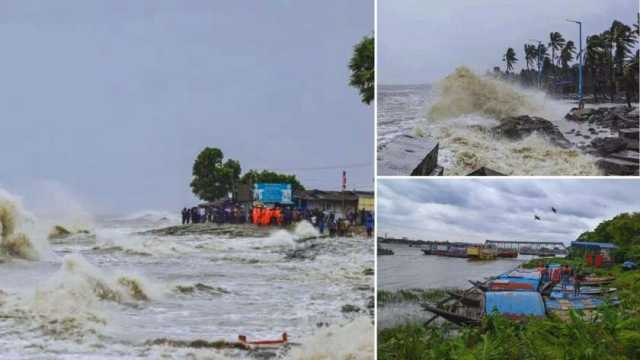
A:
[112,100]
[423,41]
[475,210]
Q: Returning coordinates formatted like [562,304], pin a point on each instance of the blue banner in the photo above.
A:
[272,193]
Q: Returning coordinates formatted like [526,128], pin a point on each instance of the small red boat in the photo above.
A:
[242,339]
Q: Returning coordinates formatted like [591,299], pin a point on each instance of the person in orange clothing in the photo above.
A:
[255,215]
[277,214]
[266,216]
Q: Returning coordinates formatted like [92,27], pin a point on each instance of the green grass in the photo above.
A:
[610,334]
[411,295]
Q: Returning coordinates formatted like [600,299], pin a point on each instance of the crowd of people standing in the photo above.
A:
[563,275]
[214,214]
[278,215]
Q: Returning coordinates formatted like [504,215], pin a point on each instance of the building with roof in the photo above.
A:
[594,253]
[339,202]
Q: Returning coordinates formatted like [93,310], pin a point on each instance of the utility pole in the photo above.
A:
[580,56]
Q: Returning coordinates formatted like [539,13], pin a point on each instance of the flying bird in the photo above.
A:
[536,217]
[554,210]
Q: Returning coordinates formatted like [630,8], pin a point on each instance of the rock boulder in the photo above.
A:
[519,127]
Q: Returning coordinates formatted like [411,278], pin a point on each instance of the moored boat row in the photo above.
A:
[523,293]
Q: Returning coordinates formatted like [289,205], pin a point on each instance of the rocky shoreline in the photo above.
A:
[616,154]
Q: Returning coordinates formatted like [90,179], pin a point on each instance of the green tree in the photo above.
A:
[266,176]
[622,230]
[595,62]
[530,55]
[624,39]
[212,178]
[510,59]
[556,42]
[566,54]
[362,69]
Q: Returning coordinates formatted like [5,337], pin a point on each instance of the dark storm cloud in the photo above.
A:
[114,99]
[500,209]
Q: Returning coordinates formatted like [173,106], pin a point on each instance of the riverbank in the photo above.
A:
[612,334]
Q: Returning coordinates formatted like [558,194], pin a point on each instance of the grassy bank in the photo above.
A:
[410,295]
[613,333]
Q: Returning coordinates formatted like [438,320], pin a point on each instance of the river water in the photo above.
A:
[462,129]
[409,268]
[110,293]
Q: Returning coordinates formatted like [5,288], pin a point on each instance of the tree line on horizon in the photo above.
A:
[622,230]
[609,64]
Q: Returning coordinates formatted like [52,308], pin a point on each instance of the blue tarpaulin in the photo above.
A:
[514,303]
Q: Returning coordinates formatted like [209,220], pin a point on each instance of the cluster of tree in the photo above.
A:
[362,69]
[609,63]
[623,230]
[266,176]
[214,178]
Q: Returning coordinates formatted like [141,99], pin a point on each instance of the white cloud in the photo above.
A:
[476,210]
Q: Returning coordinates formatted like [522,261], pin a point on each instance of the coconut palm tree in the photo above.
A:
[510,59]
[566,54]
[623,38]
[596,61]
[530,55]
[556,42]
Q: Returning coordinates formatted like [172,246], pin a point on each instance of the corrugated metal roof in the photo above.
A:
[593,245]
[330,195]
[535,283]
[515,303]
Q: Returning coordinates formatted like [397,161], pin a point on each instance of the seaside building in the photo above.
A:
[594,253]
[340,202]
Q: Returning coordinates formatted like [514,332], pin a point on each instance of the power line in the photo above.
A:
[329,167]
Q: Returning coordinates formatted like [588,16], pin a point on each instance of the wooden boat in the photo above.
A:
[512,304]
[580,302]
[480,253]
[507,253]
[468,298]
[558,291]
[597,280]
[242,339]
[515,280]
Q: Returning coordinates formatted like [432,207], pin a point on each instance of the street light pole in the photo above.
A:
[580,56]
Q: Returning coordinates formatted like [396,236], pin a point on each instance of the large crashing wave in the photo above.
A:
[463,92]
[12,243]
[78,298]
[467,106]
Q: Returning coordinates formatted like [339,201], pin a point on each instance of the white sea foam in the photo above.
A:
[467,106]
[13,241]
[351,341]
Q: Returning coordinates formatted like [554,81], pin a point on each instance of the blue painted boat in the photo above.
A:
[516,280]
[580,302]
[511,304]
[559,292]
